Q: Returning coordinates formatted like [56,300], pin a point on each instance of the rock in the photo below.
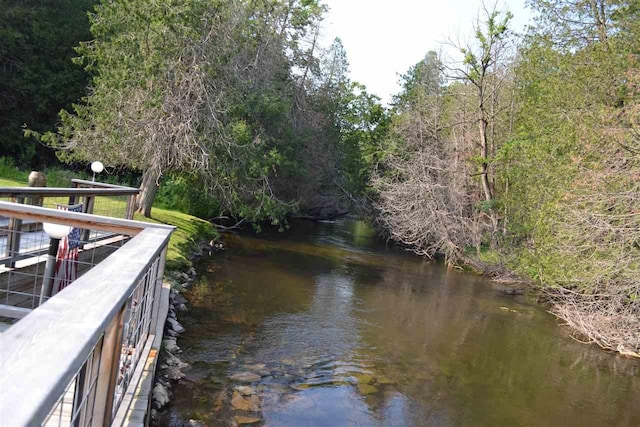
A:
[175,325]
[196,423]
[182,307]
[170,345]
[382,379]
[365,389]
[250,403]
[175,361]
[245,390]
[243,419]
[219,400]
[179,299]
[192,271]
[174,373]
[165,383]
[245,377]
[171,333]
[257,366]
[160,396]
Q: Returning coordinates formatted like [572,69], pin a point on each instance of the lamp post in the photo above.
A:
[96,167]
[56,232]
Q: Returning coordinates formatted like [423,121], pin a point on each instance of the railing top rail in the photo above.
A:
[76,219]
[96,184]
[41,354]
[65,192]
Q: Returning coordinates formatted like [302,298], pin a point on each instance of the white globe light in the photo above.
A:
[97,167]
[56,231]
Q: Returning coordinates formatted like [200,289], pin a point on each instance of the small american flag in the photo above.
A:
[66,270]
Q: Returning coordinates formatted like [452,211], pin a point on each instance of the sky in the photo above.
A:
[383,38]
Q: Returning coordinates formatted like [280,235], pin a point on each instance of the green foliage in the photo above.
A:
[184,194]
[37,76]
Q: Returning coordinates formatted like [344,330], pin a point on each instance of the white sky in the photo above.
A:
[383,38]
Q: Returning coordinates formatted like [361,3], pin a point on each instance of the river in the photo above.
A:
[327,325]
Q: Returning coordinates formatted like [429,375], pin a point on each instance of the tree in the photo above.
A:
[37,76]
[194,87]
[573,167]
[424,197]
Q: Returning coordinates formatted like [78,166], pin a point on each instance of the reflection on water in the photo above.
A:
[335,328]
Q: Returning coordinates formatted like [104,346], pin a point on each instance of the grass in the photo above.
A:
[184,240]
[7,182]
[190,229]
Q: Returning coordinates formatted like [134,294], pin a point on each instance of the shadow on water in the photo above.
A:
[327,326]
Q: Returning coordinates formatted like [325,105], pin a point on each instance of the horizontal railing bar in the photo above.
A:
[13,312]
[89,244]
[41,353]
[95,184]
[77,219]
[65,192]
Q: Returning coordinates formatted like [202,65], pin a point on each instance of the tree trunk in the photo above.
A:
[148,190]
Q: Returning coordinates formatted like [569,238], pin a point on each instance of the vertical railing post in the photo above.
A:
[157,293]
[131,206]
[72,198]
[87,208]
[13,239]
[108,371]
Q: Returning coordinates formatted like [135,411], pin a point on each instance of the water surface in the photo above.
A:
[339,329]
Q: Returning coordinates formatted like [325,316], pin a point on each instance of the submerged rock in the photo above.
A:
[245,377]
[250,403]
[243,419]
[365,389]
[245,390]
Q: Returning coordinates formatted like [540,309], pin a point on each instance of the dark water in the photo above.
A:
[342,330]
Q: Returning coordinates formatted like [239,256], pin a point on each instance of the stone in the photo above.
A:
[171,333]
[175,361]
[182,307]
[195,423]
[175,325]
[382,379]
[244,420]
[170,345]
[179,299]
[365,389]
[250,403]
[174,373]
[245,390]
[245,377]
[160,396]
[257,366]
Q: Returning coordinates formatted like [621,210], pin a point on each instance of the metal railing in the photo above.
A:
[74,359]
[93,197]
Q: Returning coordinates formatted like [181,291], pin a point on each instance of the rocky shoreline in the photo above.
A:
[170,367]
